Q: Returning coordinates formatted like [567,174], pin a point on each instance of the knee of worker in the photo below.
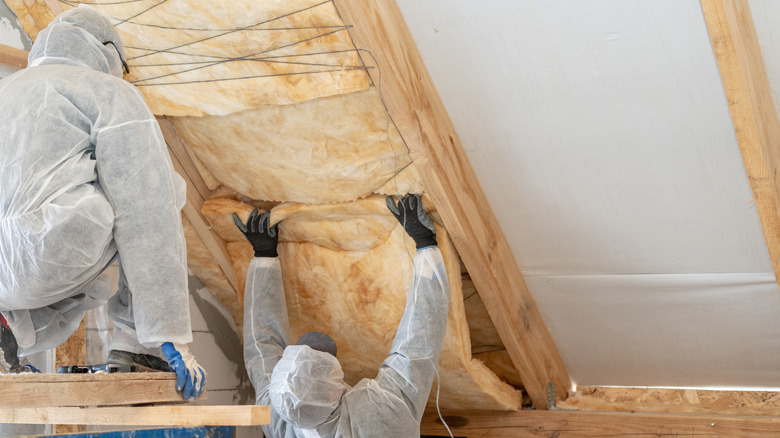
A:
[52,253]
[44,328]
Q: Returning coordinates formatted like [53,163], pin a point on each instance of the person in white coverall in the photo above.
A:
[304,383]
[86,179]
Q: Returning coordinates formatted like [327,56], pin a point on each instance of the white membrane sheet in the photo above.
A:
[602,137]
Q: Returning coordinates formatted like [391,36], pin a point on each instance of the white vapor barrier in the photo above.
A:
[601,135]
[697,330]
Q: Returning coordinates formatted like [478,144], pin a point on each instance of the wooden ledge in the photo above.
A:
[186,415]
[47,390]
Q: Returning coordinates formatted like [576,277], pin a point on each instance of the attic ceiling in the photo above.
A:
[601,136]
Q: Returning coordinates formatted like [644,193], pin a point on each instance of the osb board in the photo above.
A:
[333,149]
[189,57]
[346,270]
[660,400]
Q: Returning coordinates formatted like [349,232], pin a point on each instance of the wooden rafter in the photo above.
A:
[197,194]
[735,43]
[418,112]
[13,57]
[571,424]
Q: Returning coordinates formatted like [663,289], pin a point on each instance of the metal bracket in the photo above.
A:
[551,398]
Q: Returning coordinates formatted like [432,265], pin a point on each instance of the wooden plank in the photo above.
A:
[197,193]
[378,27]
[185,415]
[45,390]
[13,57]
[676,401]
[72,352]
[570,424]
[735,43]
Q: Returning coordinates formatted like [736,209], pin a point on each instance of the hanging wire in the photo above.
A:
[75,3]
[237,58]
[230,31]
[200,81]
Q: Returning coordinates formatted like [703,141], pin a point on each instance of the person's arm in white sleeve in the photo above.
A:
[410,369]
[266,325]
[147,195]
[137,177]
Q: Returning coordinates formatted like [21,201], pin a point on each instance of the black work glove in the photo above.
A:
[413,218]
[262,237]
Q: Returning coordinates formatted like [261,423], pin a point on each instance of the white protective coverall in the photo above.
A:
[305,387]
[85,177]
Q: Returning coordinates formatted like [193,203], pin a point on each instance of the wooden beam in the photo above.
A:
[197,193]
[236,415]
[418,112]
[734,40]
[676,401]
[572,424]
[43,390]
[182,154]
[13,57]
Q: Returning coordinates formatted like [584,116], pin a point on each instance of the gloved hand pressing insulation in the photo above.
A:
[413,218]
[257,231]
[190,377]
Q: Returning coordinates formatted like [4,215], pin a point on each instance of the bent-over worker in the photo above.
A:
[304,383]
[86,179]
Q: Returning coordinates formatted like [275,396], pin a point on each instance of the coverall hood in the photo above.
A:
[77,37]
[307,386]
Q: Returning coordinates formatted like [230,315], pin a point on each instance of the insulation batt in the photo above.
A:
[286,51]
[346,270]
[333,149]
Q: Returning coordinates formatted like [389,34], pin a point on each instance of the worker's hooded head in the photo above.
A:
[80,36]
[307,386]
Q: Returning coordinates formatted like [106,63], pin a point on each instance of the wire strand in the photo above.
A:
[438,385]
[232,30]
[235,59]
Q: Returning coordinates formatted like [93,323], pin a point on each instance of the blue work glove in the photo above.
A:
[413,218]
[31,369]
[257,231]
[190,377]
